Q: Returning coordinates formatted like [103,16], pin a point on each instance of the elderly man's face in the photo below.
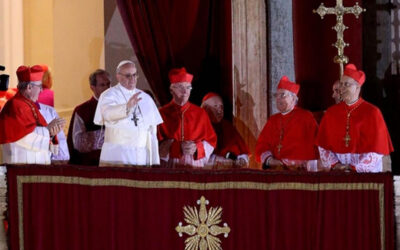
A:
[336,91]
[285,100]
[181,92]
[349,89]
[214,108]
[102,83]
[33,90]
[127,76]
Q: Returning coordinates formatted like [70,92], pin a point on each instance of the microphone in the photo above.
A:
[2,67]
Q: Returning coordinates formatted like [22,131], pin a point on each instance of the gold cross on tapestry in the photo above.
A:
[339,10]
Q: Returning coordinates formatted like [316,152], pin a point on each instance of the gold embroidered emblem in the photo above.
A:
[203,227]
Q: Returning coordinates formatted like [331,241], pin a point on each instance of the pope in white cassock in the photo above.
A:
[130,117]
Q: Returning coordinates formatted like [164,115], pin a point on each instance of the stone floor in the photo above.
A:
[3,189]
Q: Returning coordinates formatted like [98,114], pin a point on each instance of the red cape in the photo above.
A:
[196,125]
[368,130]
[298,143]
[17,119]
[229,140]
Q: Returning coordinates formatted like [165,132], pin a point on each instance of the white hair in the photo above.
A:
[123,63]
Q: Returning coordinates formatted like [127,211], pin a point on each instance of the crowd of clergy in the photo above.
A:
[121,125]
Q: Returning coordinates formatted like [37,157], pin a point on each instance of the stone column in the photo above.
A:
[249,58]
[11,38]
[280,44]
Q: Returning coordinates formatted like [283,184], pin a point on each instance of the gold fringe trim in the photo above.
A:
[196,186]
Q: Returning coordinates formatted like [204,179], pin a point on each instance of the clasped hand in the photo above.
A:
[188,147]
[164,147]
[341,167]
[241,163]
[55,126]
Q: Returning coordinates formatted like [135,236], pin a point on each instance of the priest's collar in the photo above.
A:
[287,112]
[125,90]
[354,102]
[183,107]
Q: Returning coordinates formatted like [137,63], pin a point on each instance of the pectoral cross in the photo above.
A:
[135,119]
[339,10]
[347,139]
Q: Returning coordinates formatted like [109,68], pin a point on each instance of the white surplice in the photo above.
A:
[130,135]
[33,148]
[49,113]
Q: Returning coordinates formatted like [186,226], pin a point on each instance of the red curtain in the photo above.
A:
[313,51]
[195,34]
[65,207]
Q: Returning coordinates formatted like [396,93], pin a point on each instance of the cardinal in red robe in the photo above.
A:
[287,140]
[186,137]
[231,150]
[24,134]
[353,135]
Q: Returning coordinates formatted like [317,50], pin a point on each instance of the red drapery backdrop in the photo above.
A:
[195,34]
[126,208]
[314,53]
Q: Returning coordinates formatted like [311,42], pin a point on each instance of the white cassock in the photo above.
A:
[130,135]
[49,113]
[33,148]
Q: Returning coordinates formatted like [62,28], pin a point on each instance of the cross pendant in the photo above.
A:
[346,139]
[135,119]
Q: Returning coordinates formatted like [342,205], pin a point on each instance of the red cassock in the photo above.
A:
[229,140]
[297,129]
[186,123]
[19,117]
[367,129]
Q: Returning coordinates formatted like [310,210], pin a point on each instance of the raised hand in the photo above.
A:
[133,101]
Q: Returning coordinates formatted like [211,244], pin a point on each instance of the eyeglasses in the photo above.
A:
[281,95]
[37,85]
[347,84]
[183,88]
[130,76]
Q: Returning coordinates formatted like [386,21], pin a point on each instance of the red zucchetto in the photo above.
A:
[350,70]
[30,74]
[285,83]
[208,96]
[179,75]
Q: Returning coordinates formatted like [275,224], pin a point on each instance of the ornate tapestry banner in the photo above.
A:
[65,207]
